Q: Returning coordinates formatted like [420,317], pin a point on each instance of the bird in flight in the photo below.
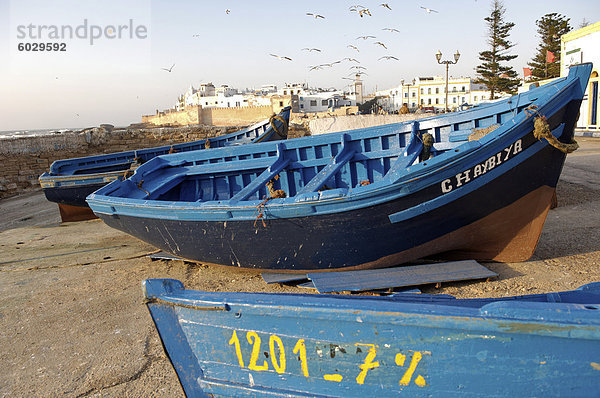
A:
[170,69]
[311,49]
[356,7]
[391,30]
[351,60]
[315,15]
[227,11]
[315,67]
[353,47]
[380,44]
[357,67]
[428,10]
[364,11]
[365,37]
[388,57]
[280,57]
[196,35]
[386,5]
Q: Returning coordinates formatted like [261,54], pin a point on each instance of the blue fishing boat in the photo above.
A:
[70,181]
[258,344]
[476,184]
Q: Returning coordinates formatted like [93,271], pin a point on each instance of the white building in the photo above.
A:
[307,100]
[430,92]
[579,46]
[209,96]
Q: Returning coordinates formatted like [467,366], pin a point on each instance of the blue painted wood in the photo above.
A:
[239,344]
[331,169]
[407,275]
[384,207]
[69,181]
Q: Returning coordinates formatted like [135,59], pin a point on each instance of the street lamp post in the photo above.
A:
[438,56]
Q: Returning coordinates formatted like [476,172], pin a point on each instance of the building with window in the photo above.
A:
[579,46]
[312,100]
[431,92]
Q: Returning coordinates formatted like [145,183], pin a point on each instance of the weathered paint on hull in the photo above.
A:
[72,196]
[482,225]
[244,344]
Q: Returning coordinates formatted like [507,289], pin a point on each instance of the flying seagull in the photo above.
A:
[353,47]
[347,78]
[356,7]
[358,67]
[315,15]
[351,60]
[280,57]
[391,30]
[316,67]
[364,11]
[428,10]
[365,37]
[227,11]
[389,57]
[311,49]
[170,69]
[380,44]
[386,5]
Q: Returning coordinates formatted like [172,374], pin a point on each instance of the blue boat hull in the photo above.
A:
[365,238]
[72,195]
[244,344]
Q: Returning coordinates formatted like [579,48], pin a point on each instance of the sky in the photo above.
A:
[116,80]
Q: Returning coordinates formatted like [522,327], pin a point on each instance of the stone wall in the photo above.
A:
[234,116]
[189,116]
[324,125]
[23,159]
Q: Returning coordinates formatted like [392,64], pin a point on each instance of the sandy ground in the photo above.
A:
[72,320]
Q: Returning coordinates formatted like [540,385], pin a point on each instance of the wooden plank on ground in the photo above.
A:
[163,256]
[408,275]
[279,277]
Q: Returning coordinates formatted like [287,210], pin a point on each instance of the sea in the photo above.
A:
[34,133]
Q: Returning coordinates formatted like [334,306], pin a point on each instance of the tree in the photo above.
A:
[550,28]
[493,72]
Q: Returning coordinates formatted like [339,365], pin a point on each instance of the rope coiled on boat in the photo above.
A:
[541,129]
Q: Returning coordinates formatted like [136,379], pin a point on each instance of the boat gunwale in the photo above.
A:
[504,312]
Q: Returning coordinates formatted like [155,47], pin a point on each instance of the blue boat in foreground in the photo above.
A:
[476,184]
[258,344]
[70,181]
